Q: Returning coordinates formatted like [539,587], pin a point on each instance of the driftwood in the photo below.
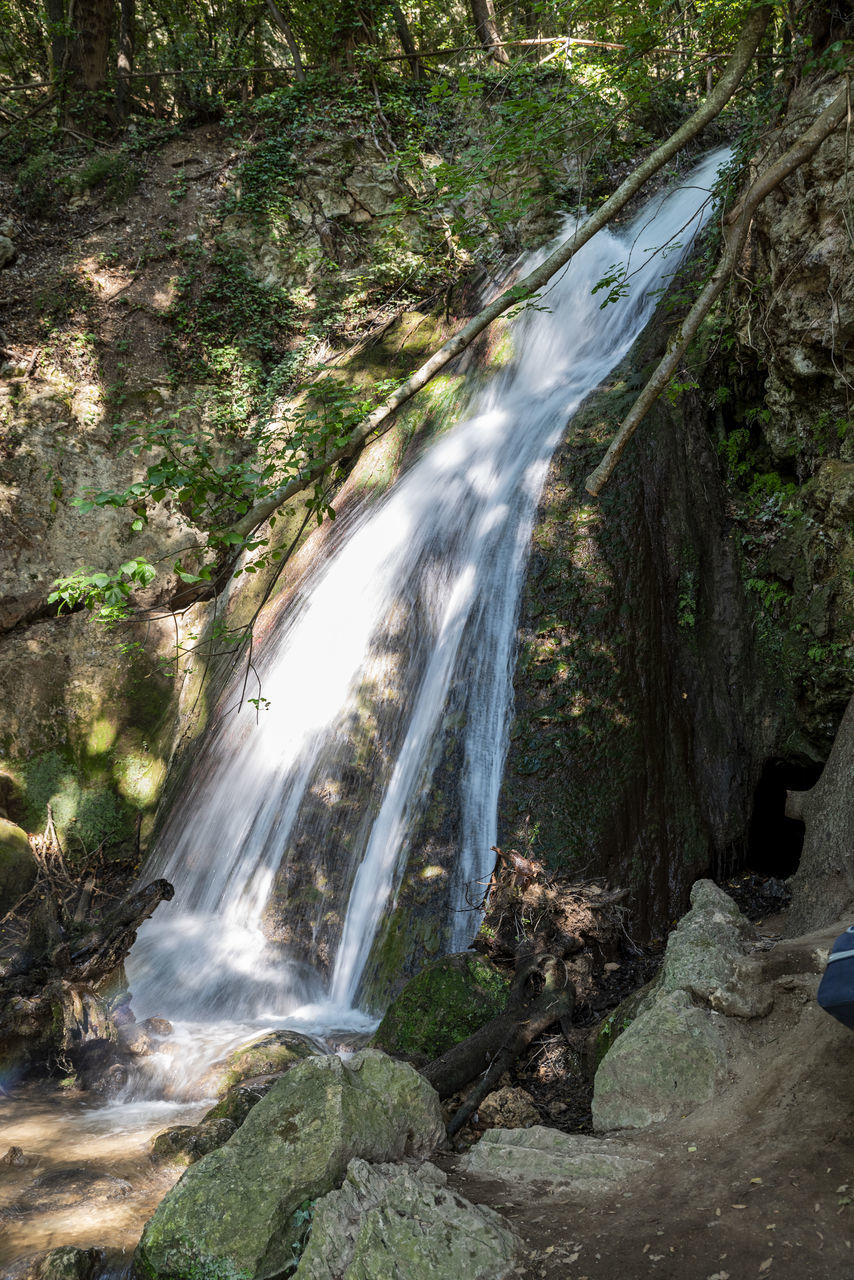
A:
[541,994]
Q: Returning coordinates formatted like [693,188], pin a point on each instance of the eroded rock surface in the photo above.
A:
[395,1220]
[557,1161]
[673,1056]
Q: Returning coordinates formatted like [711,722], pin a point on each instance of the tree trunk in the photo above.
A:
[55,11]
[714,104]
[285,28]
[124,66]
[88,54]
[483,12]
[404,35]
[495,1046]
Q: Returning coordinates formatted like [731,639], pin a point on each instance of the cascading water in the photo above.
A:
[398,649]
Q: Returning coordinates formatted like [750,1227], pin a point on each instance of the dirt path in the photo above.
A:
[757,1182]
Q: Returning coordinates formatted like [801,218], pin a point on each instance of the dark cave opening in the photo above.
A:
[774,842]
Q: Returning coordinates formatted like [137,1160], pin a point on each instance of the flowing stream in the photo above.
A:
[399,647]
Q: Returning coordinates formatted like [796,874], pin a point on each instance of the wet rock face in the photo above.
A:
[697,620]
[69,1263]
[442,1005]
[643,712]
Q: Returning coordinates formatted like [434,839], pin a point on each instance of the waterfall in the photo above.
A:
[392,666]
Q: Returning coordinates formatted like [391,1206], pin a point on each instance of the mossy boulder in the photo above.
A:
[393,1220]
[236,1212]
[240,1100]
[70,1263]
[672,1056]
[17,865]
[187,1143]
[442,1005]
[269,1055]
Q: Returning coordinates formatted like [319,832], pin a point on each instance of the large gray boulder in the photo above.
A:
[669,1061]
[673,1056]
[393,1220]
[236,1212]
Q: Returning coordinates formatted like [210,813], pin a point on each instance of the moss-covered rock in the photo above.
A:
[17,865]
[187,1143]
[443,1005]
[70,1263]
[392,1220]
[239,1101]
[269,1055]
[234,1213]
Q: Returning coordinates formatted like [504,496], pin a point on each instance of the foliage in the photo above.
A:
[474,150]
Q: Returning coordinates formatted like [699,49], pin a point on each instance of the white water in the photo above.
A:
[413,618]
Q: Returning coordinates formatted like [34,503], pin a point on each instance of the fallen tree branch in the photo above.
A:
[720,95]
[494,1047]
[735,237]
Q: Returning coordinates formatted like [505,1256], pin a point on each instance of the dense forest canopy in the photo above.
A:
[485,90]
[105,60]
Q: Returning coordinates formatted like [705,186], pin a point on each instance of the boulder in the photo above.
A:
[669,1061]
[394,1220]
[187,1143]
[17,865]
[508,1108]
[237,1210]
[672,1057]
[70,1263]
[268,1055]
[562,1162]
[442,1005]
[239,1101]
[703,950]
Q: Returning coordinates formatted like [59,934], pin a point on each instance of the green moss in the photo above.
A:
[442,1005]
[610,1030]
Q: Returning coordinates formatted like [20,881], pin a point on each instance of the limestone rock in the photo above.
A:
[8,252]
[269,1055]
[702,951]
[442,1005]
[561,1161]
[17,865]
[393,1220]
[186,1143]
[70,1263]
[668,1062]
[508,1108]
[236,1207]
[671,1057]
[240,1100]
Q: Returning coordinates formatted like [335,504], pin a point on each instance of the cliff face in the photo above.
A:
[690,635]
